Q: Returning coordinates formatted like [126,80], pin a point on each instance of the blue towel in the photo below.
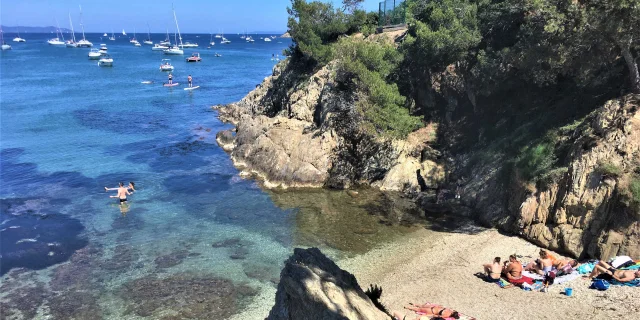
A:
[633,283]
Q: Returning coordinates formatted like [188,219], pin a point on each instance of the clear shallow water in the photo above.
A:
[193,228]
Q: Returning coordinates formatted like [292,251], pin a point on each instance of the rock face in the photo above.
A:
[314,287]
[587,212]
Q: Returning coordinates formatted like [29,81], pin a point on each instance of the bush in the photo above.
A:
[609,169]
[365,66]
[634,188]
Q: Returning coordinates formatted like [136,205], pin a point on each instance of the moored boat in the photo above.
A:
[95,54]
[165,65]
[195,57]
[106,61]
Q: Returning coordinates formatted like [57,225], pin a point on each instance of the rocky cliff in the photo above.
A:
[291,132]
[589,209]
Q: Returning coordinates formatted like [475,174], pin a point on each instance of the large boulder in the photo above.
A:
[314,287]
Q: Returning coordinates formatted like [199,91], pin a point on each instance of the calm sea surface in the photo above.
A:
[196,240]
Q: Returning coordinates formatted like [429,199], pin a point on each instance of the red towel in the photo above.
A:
[520,281]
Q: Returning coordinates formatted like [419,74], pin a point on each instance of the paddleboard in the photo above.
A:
[192,88]
[146,82]
[170,85]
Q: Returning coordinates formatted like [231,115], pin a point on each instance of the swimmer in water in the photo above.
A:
[123,191]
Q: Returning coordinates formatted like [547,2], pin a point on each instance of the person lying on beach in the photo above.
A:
[605,271]
[565,266]
[427,311]
[493,270]
[542,265]
[123,192]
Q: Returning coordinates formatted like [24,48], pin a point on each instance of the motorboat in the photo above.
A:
[165,65]
[105,34]
[149,42]
[72,42]
[195,57]
[84,43]
[225,41]
[95,54]
[103,49]
[159,47]
[217,55]
[137,44]
[106,61]
[250,39]
[267,39]
[218,36]
[188,45]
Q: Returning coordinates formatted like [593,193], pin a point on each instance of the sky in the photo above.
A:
[194,16]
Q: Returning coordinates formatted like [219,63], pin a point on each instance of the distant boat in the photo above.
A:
[106,61]
[249,39]
[103,49]
[165,65]
[18,39]
[112,38]
[105,34]
[56,41]
[124,33]
[167,40]
[5,46]
[176,49]
[71,43]
[134,40]
[84,43]
[95,54]
[267,39]
[159,47]
[188,45]
[211,40]
[148,40]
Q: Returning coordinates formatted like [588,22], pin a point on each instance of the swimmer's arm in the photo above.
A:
[110,189]
[113,196]
[128,193]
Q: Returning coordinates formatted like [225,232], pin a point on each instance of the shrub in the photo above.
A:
[536,160]
[365,66]
[634,188]
[609,169]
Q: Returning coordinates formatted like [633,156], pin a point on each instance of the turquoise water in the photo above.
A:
[193,228]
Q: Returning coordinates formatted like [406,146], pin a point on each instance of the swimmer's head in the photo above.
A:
[121,184]
[132,185]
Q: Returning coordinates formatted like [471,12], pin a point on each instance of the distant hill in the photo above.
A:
[8,29]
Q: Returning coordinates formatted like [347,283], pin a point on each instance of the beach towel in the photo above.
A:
[519,282]
[586,268]
[634,283]
[462,316]
[635,266]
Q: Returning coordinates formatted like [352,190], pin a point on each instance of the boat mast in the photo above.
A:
[176,19]
[73,34]
[58,31]
[148,32]
[81,25]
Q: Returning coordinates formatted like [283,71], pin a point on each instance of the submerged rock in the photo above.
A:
[314,287]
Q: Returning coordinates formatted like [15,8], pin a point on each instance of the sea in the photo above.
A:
[196,240]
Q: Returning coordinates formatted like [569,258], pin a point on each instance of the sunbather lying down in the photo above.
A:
[427,311]
[605,271]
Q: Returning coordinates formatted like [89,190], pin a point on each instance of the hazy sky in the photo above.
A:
[193,16]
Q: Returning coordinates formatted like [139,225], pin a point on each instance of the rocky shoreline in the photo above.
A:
[286,134]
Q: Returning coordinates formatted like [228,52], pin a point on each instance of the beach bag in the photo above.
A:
[600,284]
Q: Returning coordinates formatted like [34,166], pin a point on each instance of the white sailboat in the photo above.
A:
[176,49]
[134,40]
[56,41]
[167,40]
[211,43]
[18,39]
[112,38]
[124,33]
[105,34]
[5,46]
[72,42]
[84,43]
[148,40]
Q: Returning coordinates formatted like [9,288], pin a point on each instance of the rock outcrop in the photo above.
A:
[588,210]
[313,287]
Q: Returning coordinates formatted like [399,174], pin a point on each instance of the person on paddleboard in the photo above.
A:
[190,80]
[170,78]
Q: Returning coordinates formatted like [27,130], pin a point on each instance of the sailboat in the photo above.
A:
[148,40]
[72,42]
[167,40]
[105,34]
[56,41]
[5,46]
[124,33]
[211,40]
[112,38]
[176,49]
[84,43]
[18,39]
